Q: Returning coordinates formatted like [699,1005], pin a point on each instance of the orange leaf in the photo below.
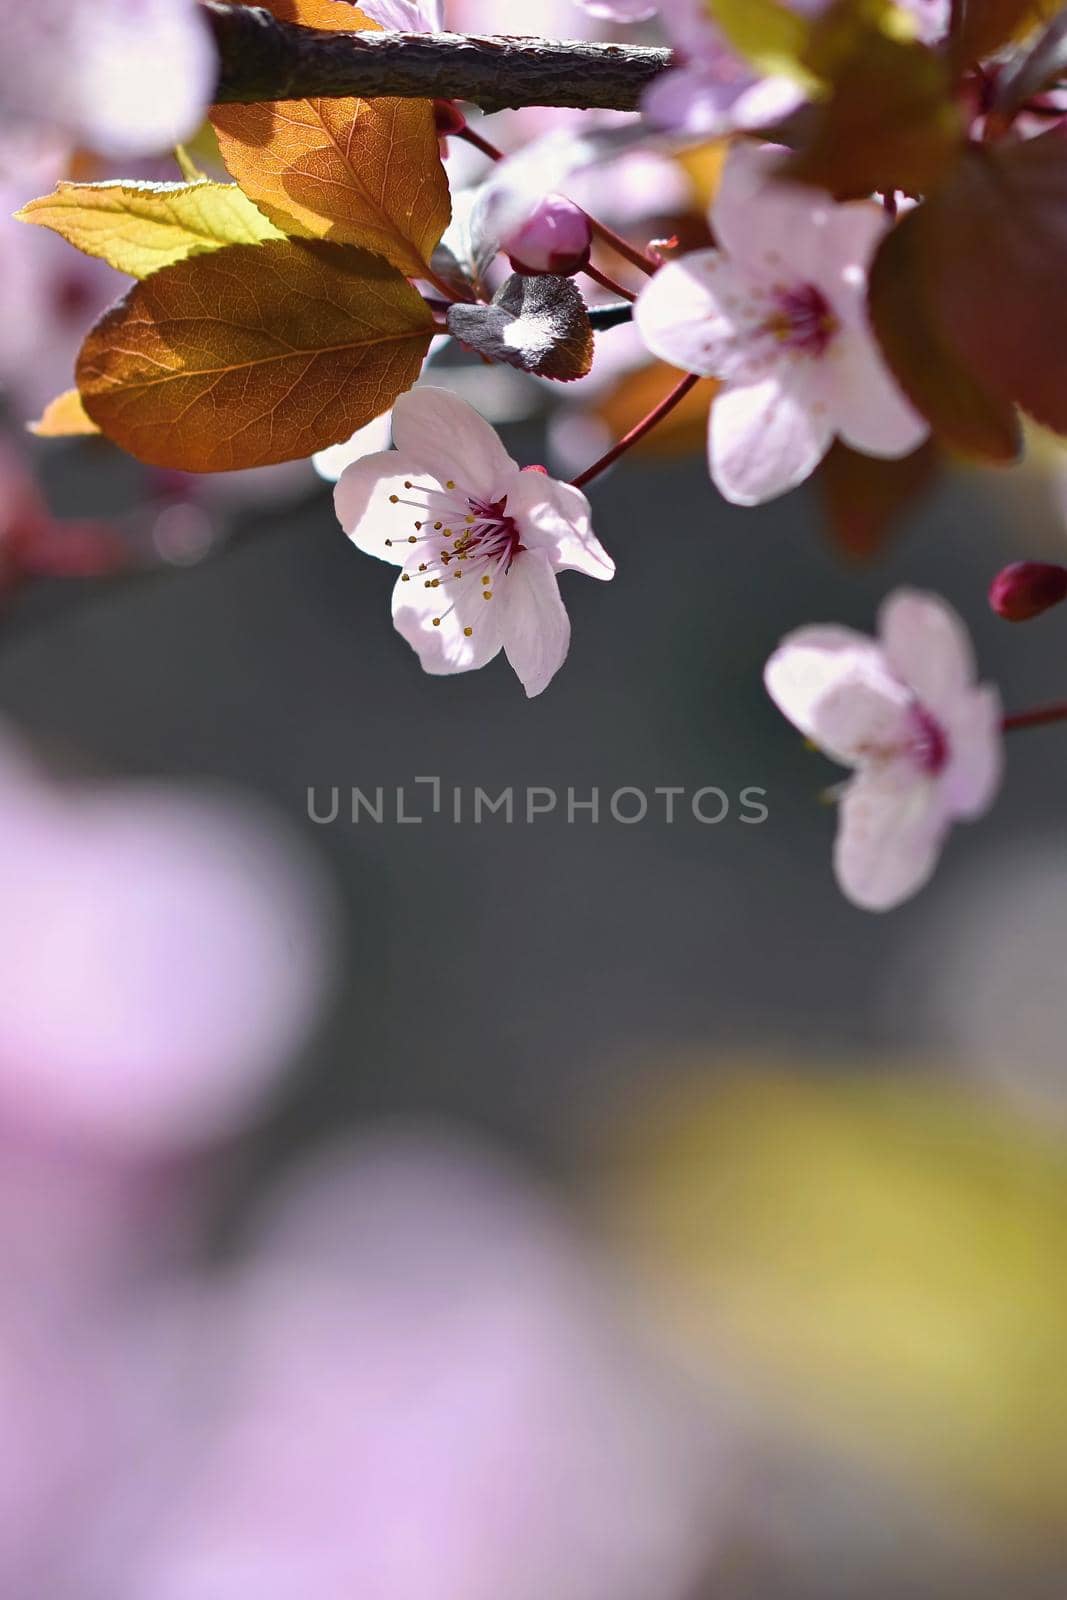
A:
[364,172]
[253,354]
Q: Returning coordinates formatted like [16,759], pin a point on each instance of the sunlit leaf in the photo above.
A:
[767,33]
[254,354]
[140,227]
[363,172]
[538,324]
[64,417]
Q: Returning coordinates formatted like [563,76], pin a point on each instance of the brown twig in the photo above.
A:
[263,58]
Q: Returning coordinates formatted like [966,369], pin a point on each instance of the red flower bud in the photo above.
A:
[1027,588]
[555,239]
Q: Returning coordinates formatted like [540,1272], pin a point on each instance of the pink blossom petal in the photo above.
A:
[699,314]
[452,442]
[769,227]
[765,438]
[536,628]
[928,648]
[976,754]
[555,517]
[871,412]
[891,828]
[363,502]
[446,647]
[833,685]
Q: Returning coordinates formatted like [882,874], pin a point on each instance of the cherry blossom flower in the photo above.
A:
[778,313]
[905,713]
[167,954]
[127,77]
[480,540]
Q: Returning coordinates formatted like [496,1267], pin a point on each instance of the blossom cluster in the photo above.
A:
[805,284]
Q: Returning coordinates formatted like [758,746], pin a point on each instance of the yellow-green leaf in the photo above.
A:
[767,33]
[140,227]
[64,417]
[253,354]
[363,172]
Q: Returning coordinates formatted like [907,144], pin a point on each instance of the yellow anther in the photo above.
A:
[437,622]
[487,594]
[467,632]
[450,484]
[412,539]
[394,499]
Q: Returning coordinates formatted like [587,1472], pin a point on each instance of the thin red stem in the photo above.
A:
[622,246]
[608,283]
[1039,718]
[476,141]
[638,432]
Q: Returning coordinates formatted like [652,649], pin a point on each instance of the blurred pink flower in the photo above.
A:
[165,954]
[905,712]
[778,313]
[126,77]
[420,1389]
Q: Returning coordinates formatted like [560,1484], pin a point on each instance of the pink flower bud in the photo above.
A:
[556,239]
[1026,588]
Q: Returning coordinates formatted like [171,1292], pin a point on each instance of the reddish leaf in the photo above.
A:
[908,312]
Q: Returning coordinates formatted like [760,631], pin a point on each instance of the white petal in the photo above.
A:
[453,442]
[368,441]
[835,687]
[536,628]
[555,517]
[890,832]
[767,437]
[871,412]
[366,512]
[928,648]
[698,314]
[976,754]
[766,225]
[459,605]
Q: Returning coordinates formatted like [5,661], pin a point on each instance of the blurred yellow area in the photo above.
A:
[880,1262]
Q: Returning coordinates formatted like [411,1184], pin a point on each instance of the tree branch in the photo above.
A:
[265,59]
